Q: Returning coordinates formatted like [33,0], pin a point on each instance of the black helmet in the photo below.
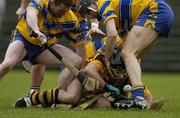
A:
[116,61]
[82,6]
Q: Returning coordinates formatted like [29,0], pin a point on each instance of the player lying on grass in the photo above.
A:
[95,98]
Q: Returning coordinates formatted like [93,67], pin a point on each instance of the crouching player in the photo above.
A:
[96,69]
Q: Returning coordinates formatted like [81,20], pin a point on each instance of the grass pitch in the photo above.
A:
[16,84]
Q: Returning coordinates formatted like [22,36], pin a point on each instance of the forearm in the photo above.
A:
[110,45]
[32,19]
[111,37]
[81,51]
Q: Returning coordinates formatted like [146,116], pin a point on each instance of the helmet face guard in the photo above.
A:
[116,61]
[83,6]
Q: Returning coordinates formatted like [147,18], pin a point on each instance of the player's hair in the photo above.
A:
[67,3]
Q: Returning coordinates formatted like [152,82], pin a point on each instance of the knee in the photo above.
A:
[73,98]
[86,69]
[77,61]
[7,65]
[103,103]
[89,68]
[126,53]
[106,105]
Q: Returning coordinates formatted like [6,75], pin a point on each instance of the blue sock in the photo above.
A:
[138,92]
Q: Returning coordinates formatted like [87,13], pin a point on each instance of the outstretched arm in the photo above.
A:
[81,51]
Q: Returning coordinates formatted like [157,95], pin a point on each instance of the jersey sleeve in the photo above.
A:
[106,11]
[75,37]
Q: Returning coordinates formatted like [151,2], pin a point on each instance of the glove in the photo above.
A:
[112,90]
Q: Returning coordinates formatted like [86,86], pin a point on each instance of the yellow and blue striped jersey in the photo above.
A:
[92,48]
[96,47]
[124,12]
[52,27]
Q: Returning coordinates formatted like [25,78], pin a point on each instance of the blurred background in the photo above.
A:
[164,57]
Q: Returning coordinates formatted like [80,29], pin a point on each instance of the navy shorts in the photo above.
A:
[161,20]
[32,50]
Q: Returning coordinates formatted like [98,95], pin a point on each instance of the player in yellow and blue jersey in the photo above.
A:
[39,69]
[49,19]
[141,21]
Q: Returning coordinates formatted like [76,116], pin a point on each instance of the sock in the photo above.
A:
[35,88]
[82,78]
[138,90]
[45,98]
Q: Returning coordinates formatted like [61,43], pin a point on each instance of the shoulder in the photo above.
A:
[69,15]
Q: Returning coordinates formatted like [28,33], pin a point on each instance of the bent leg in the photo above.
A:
[65,77]
[71,96]
[73,93]
[15,53]
[92,71]
[49,59]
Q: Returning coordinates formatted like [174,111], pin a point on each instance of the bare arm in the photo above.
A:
[111,38]
[32,20]
[81,51]
[110,42]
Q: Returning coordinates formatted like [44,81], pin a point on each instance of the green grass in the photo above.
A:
[16,84]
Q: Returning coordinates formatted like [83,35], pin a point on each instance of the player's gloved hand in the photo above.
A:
[111,89]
